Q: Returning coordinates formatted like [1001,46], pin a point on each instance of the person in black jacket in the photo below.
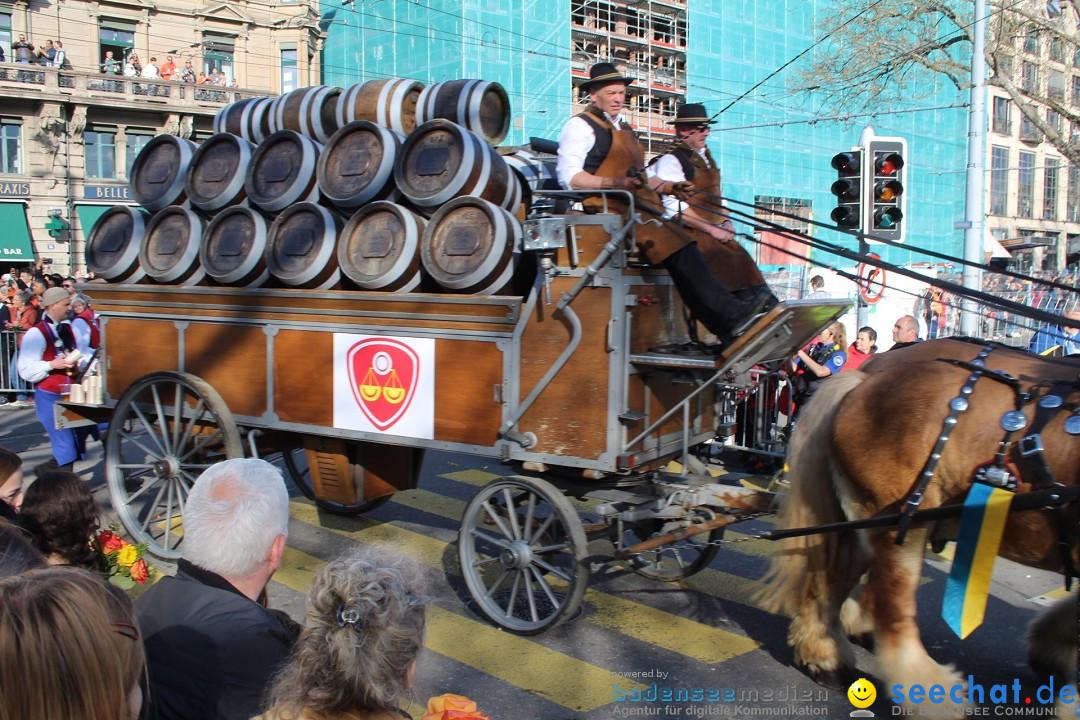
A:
[211,647]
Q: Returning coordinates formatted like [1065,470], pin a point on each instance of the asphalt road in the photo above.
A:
[703,633]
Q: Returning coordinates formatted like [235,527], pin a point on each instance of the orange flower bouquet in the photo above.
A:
[121,561]
[453,707]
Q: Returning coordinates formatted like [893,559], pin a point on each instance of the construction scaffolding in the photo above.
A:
[646,40]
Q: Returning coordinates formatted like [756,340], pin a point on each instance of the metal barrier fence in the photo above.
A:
[10,382]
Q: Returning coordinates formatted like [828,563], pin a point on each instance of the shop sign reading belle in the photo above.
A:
[384,384]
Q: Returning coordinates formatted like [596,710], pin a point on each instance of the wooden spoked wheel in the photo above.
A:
[295,461]
[166,429]
[522,550]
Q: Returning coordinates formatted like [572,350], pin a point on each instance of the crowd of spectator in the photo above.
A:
[132,67]
[203,643]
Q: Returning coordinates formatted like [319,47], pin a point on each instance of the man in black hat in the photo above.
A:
[704,217]
[599,151]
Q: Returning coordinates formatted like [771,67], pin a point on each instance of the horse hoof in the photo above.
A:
[834,679]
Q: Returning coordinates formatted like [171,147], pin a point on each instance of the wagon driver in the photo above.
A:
[703,217]
[47,359]
[599,151]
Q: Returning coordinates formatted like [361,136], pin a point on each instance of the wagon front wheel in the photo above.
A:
[522,550]
[166,429]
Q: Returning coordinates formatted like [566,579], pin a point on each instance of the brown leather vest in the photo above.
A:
[656,242]
[706,180]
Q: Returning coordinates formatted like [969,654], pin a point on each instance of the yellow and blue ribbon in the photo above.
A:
[981,526]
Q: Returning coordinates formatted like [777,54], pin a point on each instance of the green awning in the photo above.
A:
[88,215]
[15,243]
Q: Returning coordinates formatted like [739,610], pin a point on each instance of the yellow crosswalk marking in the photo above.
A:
[657,627]
[562,679]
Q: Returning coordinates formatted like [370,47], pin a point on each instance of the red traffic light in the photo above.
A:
[846,163]
[888,164]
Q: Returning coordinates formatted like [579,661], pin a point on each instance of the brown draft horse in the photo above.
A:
[857,452]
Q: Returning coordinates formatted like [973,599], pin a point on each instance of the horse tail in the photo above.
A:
[799,573]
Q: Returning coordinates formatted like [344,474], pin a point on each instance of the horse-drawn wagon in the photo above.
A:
[352,387]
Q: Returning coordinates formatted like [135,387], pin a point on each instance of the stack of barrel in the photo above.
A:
[385,185]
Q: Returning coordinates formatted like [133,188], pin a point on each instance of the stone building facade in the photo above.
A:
[70,134]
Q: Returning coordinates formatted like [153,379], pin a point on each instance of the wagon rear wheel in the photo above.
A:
[522,550]
[166,429]
[296,463]
[675,561]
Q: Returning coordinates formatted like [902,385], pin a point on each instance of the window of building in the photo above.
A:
[1029,77]
[134,141]
[1050,188]
[1026,185]
[1005,66]
[289,70]
[100,154]
[1076,90]
[1028,131]
[117,37]
[5,34]
[1055,85]
[218,51]
[1031,41]
[999,180]
[10,147]
[1001,116]
[1072,195]
[1053,119]
[1057,49]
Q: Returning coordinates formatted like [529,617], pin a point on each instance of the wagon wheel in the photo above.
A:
[297,465]
[522,551]
[166,429]
[678,560]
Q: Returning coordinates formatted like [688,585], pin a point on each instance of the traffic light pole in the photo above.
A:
[974,217]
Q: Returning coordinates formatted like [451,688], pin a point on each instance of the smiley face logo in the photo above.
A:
[862,693]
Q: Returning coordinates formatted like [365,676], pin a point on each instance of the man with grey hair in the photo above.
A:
[211,647]
[905,332]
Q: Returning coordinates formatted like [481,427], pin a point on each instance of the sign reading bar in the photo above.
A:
[106,192]
[15,189]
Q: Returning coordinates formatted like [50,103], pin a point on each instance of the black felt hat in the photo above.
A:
[603,74]
[691,114]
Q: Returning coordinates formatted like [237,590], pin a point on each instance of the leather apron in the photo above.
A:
[729,261]
[655,242]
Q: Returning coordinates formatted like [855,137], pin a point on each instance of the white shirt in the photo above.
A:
[670,169]
[151,71]
[32,368]
[575,141]
[129,70]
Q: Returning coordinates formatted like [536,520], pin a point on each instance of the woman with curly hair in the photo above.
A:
[356,655]
[61,516]
[69,648]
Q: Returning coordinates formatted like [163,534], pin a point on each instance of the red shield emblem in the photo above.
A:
[383,374]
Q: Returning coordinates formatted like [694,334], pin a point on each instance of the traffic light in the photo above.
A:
[886,156]
[848,190]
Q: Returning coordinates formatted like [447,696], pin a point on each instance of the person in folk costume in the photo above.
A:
[47,358]
[599,151]
[704,218]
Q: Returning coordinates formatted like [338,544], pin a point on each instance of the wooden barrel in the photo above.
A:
[157,177]
[471,246]
[357,165]
[233,251]
[170,247]
[479,105]
[310,111]
[379,248]
[390,103]
[533,173]
[301,249]
[112,247]
[441,160]
[216,175]
[283,171]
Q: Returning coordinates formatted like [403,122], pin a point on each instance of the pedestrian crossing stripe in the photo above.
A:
[519,661]
[677,634]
